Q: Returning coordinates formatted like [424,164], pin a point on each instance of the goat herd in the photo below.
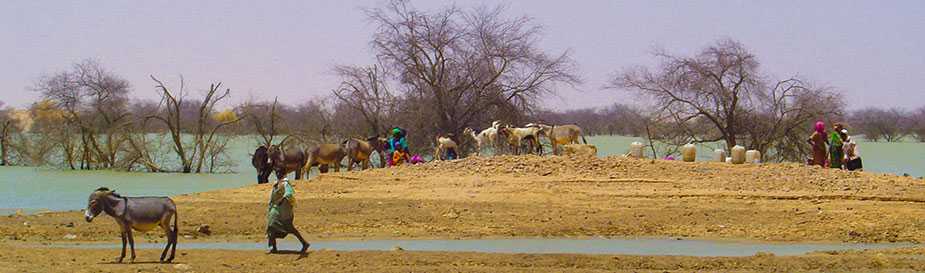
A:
[268,159]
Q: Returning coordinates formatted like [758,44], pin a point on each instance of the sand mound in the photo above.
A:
[771,177]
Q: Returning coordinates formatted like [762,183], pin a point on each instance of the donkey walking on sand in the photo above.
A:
[138,213]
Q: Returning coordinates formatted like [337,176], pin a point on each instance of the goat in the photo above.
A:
[445,145]
[516,137]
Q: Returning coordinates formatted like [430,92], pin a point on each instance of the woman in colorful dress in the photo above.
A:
[280,216]
[818,142]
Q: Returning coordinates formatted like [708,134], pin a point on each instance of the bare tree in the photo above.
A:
[364,90]
[264,118]
[715,84]
[720,94]
[40,130]
[7,127]
[192,155]
[144,149]
[460,64]
[94,99]
[917,124]
[313,122]
[784,115]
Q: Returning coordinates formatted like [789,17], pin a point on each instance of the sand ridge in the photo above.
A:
[558,197]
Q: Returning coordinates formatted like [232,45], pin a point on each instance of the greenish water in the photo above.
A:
[645,246]
[35,189]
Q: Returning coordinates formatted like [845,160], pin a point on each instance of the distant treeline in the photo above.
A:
[890,125]
[875,124]
[617,119]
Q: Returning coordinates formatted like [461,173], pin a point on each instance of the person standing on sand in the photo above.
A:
[818,142]
[836,147]
[852,155]
[280,216]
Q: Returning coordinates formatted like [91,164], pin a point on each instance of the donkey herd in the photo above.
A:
[146,213]
[283,160]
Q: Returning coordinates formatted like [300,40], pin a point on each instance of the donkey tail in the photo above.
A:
[176,226]
[583,139]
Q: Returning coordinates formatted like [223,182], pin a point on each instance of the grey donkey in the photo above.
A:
[138,213]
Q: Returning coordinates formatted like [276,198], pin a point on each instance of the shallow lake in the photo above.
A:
[35,189]
[645,246]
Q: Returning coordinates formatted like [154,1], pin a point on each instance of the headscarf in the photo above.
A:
[820,127]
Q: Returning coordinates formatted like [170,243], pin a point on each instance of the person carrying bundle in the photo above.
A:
[280,215]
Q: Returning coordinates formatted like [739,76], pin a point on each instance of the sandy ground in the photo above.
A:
[533,196]
[74,260]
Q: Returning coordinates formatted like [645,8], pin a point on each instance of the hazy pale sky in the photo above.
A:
[872,51]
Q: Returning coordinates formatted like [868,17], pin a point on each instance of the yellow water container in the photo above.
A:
[719,155]
[738,154]
[753,156]
[689,153]
[636,150]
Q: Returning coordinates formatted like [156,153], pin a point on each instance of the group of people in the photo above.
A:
[397,149]
[834,150]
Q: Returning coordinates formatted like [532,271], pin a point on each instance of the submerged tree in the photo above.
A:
[204,130]
[94,100]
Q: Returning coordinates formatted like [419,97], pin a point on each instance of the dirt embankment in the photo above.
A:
[531,196]
[524,196]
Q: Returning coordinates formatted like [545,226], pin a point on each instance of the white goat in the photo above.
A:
[485,138]
[445,144]
[516,136]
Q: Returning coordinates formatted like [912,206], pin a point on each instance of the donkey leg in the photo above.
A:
[166,247]
[173,245]
[165,225]
[123,248]
[131,243]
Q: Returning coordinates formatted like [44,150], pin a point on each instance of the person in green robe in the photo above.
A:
[279,215]
[836,150]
